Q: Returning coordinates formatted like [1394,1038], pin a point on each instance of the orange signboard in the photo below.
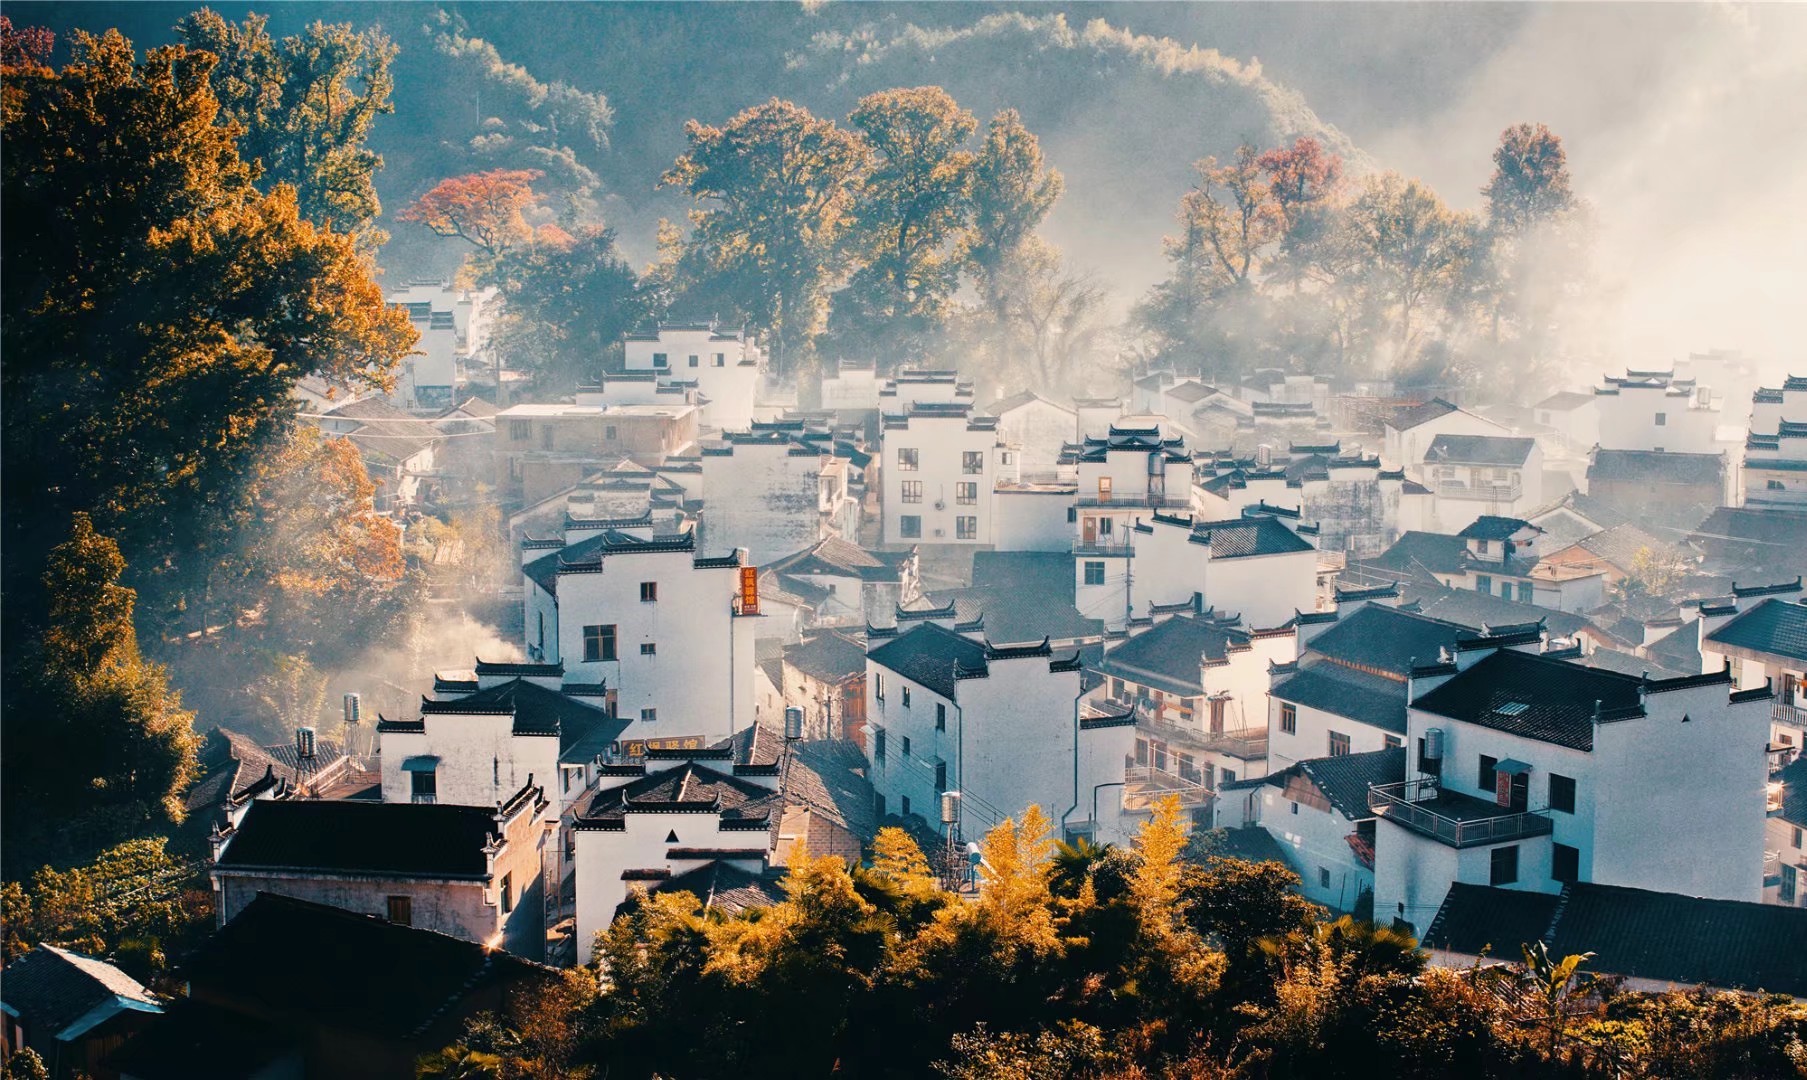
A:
[749,590]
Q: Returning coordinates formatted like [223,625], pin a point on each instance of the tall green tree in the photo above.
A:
[159,309]
[1530,183]
[1013,190]
[911,211]
[306,104]
[1414,249]
[567,305]
[775,188]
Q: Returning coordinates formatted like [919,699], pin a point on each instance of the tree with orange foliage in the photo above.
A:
[487,210]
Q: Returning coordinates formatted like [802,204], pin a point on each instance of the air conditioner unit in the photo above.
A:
[940,505]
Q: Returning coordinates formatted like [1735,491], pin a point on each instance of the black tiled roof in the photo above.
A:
[435,972]
[51,988]
[687,785]
[1251,843]
[1241,537]
[724,887]
[403,839]
[1663,937]
[1558,697]
[1467,607]
[1480,449]
[1656,467]
[1774,626]
[1410,417]
[1678,650]
[834,557]
[1025,596]
[1493,527]
[1743,536]
[1168,656]
[828,777]
[539,711]
[827,657]
[1340,691]
[928,655]
[1416,553]
[1344,779]
[1386,638]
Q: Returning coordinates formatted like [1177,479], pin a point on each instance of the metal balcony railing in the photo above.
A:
[1104,548]
[1455,489]
[1145,785]
[1459,821]
[1792,715]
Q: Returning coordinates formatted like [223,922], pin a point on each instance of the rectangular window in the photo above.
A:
[1104,489]
[1794,839]
[520,430]
[1323,877]
[693,360]
[1562,793]
[1339,744]
[648,648]
[907,460]
[1524,592]
[1483,546]
[1504,868]
[548,437]
[1141,751]
[661,360]
[507,893]
[906,704]
[904,805]
[940,777]
[966,494]
[1210,775]
[878,804]
[906,746]
[401,910]
[1662,419]
[878,746]
[649,592]
[1483,583]
[1229,776]
[649,716]
[423,786]
[599,643]
[1487,777]
[609,433]
[909,526]
[1565,863]
[721,359]
[1105,525]
[1392,742]
[941,725]
[912,491]
[1790,879]
[878,687]
[972,462]
[1289,719]
[966,527]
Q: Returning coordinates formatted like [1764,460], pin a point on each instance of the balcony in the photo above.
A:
[1144,786]
[1459,821]
[1133,500]
[1455,489]
[1792,715]
[1104,549]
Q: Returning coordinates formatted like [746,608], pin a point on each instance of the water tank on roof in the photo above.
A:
[950,807]
[354,708]
[1433,744]
[304,743]
[793,722]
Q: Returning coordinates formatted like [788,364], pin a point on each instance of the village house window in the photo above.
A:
[1794,840]
[1562,793]
[1392,742]
[1117,690]
[1104,489]
[1483,583]
[507,893]
[966,527]
[907,460]
[878,687]
[649,648]
[1484,546]
[423,785]
[401,910]
[1565,863]
[966,494]
[912,491]
[972,462]
[1229,776]
[661,360]
[909,526]
[1105,525]
[1339,744]
[599,643]
[1773,485]
[1289,719]
[1007,457]
[1295,808]
[693,360]
[721,359]
[940,777]
[1789,877]
[548,437]
[1218,707]
[878,748]
[903,805]
[1159,750]
[1524,592]
[1209,775]
[906,746]
[1188,768]
[1662,419]
[1504,865]
[649,592]
[878,804]
[520,430]
[609,433]
[1141,751]
[649,716]
[906,704]
[941,725]
[1323,877]
[1488,776]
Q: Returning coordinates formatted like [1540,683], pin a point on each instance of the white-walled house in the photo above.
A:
[762,490]
[1574,417]
[1122,476]
[1037,427]
[726,367]
[1774,476]
[1000,724]
[1475,475]
[1787,837]
[1657,411]
[1354,503]
[1317,811]
[940,464]
[1410,431]
[454,326]
[1532,772]
[666,630]
[1764,645]
[845,584]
